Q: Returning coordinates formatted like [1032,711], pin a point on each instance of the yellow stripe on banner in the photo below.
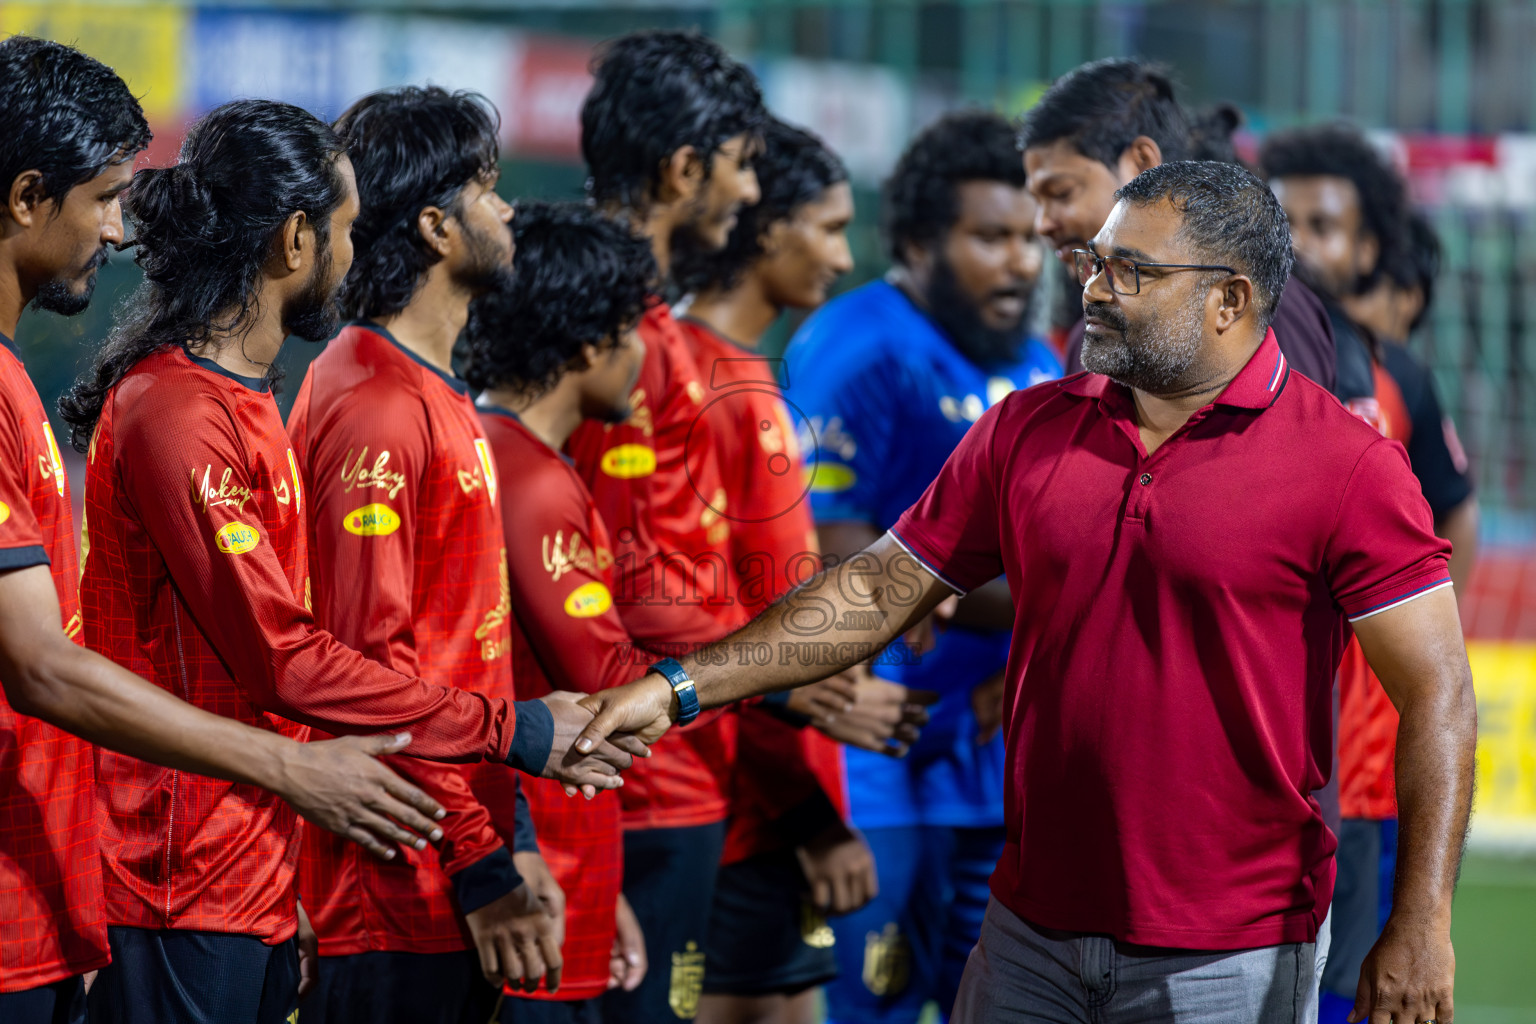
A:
[142,43]
[1505,677]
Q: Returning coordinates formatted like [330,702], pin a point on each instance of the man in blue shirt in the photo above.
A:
[886,380]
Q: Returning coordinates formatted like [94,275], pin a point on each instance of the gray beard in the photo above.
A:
[1155,358]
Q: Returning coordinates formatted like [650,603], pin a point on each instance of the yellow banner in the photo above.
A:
[1505,677]
[142,43]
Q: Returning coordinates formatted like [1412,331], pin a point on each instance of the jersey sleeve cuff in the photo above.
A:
[1384,599]
[926,563]
[486,880]
[533,737]
[23,557]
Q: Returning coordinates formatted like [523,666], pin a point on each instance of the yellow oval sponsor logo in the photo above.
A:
[5,511]
[588,601]
[830,477]
[372,521]
[627,461]
[237,538]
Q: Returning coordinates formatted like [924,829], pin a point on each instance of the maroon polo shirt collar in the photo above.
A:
[1256,385]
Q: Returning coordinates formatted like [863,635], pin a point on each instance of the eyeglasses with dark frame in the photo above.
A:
[1121,270]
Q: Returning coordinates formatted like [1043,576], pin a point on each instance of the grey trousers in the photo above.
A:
[1020,973]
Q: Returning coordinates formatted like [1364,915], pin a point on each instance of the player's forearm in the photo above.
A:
[322,683]
[1459,526]
[93,698]
[1436,737]
[833,621]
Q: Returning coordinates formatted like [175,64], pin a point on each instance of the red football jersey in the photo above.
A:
[1367,719]
[196,562]
[567,635]
[407,566]
[656,481]
[773,547]
[51,920]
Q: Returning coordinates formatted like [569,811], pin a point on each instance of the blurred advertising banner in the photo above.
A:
[1505,811]
[144,43]
[863,111]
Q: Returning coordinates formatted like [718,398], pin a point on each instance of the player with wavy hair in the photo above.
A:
[790,857]
[408,570]
[669,130]
[557,347]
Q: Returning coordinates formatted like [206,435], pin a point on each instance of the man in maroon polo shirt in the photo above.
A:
[1190,531]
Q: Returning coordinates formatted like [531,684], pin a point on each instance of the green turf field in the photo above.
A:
[1494,929]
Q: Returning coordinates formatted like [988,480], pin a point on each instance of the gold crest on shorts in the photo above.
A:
[887,961]
[814,930]
[687,982]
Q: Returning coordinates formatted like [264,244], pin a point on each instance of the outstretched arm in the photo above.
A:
[831,622]
[339,784]
[1416,650]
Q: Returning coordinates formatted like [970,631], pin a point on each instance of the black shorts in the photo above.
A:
[669,879]
[63,1002]
[765,938]
[187,977]
[552,1011]
[411,988]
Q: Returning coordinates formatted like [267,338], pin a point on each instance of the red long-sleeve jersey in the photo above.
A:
[196,578]
[656,480]
[407,567]
[773,547]
[51,920]
[568,636]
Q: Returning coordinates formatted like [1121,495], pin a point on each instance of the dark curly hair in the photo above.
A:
[795,168]
[411,147]
[920,200]
[1104,106]
[582,279]
[1341,151]
[654,93]
[1419,264]
[204,229]
[65,114]
[1230,217]
[1211,131]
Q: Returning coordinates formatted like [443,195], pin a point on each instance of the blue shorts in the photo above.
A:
[383,985]
[187,977]
[63,1002]
[669,880]
[910,944]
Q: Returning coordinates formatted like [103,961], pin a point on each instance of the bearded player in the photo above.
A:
[196,573]
[890,377]
[72,128]
[669,132]
[556,348]
[790,856]
[406,558]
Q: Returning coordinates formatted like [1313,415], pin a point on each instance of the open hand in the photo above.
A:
[341,786]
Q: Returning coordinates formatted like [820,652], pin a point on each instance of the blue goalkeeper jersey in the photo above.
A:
[882,398]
